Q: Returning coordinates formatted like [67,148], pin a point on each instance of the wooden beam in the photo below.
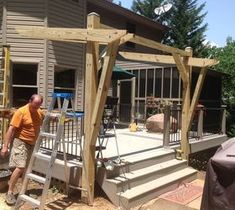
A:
[158,46]
[91,86]
[103,88]
[196,96]
[181,67]
[167,59]
[202,62]
[126,38]
[185,106]
[71,34]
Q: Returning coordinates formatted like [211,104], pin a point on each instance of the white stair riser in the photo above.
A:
[127,204]
[148,177]
[140,164]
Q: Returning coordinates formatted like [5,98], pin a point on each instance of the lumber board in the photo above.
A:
[91,85]
[158,46]
[168,59]
[71,34]
[196,95]
[181,67]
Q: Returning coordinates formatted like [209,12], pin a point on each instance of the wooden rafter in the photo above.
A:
[71,34]
[168,59]
[126,38]
[196,95]
[158,46]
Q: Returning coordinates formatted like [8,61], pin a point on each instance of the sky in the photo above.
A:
[220,18]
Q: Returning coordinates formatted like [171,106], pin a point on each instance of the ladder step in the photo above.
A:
[54,115]
[41,156]
[62,95]
[37,178]
[49,135]
[30,200]
[77,188]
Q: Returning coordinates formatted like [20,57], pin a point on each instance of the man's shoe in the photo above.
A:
[10,199]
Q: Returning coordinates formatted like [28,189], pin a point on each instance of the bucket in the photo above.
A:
[4,177]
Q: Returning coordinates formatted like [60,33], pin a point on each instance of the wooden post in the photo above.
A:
[200,122]
[166,134]
[185,108]
[91,85]
[223,122]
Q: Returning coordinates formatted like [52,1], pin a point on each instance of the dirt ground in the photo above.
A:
[58,201]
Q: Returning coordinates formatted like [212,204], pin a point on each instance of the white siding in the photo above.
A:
[68,14]
[26,50]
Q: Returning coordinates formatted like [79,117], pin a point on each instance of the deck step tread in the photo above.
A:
[147,155]
[144,171]
[158,183]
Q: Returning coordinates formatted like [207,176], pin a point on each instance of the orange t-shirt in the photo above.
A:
[27,124]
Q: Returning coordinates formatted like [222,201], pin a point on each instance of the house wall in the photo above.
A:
[115,20]
[47,54]
[67,14]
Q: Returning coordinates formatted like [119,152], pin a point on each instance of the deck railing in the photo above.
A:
[73,132]
[206,121]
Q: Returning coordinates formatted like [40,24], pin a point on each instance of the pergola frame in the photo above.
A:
[96,93]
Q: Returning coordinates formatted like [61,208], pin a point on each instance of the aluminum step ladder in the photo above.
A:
[4,86]
[29,175]
[4,76]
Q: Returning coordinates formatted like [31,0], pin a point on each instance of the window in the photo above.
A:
[136,73]
[64,80]
[175,83]
[166,83]
[158,83]
[150,75]
[142,83]
[24,83]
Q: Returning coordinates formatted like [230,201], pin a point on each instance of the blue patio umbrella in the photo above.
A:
[119,74]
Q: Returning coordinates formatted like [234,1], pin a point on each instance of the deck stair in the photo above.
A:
[144,176]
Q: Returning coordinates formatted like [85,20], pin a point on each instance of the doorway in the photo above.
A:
[126,100]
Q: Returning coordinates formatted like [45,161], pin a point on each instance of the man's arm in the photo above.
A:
[8,139]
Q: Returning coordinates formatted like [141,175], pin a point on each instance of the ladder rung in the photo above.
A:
[1,81]
[37,178]
[29,199]
[77,188]
[52,114]
[62,95]
[49,135]
[41,156]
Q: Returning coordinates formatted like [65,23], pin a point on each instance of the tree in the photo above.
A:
[226,56]
[186,26]
[185,22]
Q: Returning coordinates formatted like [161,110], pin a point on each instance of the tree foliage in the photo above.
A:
[185,22]
[226,56]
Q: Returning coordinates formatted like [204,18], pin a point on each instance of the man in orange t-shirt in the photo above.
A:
[24,129]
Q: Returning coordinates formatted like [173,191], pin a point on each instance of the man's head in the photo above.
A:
[35,102]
